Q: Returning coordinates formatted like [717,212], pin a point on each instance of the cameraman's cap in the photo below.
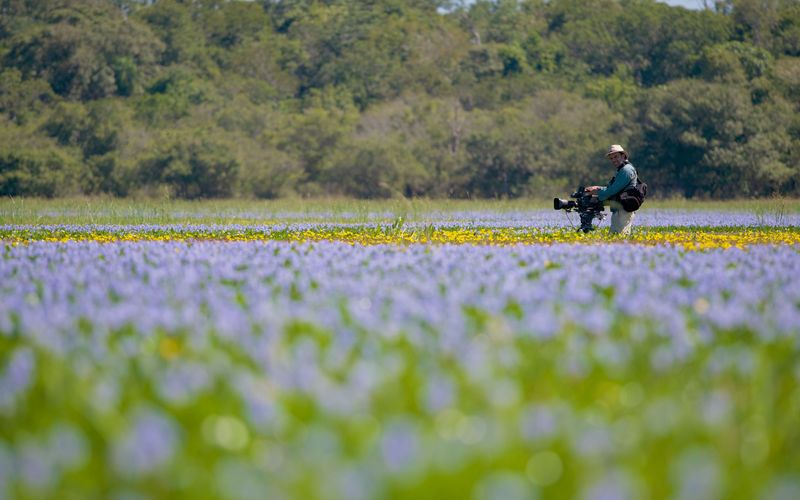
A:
[616,148]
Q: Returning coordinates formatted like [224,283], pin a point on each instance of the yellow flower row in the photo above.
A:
[687,238]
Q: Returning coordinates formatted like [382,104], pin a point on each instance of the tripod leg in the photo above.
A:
[586,222]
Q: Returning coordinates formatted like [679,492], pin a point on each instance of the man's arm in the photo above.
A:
[624,177]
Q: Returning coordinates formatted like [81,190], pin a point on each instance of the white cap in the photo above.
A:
[616,148]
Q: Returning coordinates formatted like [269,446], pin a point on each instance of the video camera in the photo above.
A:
[587,206]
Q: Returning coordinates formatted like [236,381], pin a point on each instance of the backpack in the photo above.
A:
[632,197]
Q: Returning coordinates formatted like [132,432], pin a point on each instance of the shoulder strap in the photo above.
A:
[635,173]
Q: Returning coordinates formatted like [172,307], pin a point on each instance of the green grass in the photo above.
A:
[130,211]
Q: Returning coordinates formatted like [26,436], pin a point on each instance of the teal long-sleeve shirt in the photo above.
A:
[625,176]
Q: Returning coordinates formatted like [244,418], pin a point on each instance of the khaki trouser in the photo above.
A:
[621,221]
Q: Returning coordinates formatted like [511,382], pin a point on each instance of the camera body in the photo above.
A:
[587,206]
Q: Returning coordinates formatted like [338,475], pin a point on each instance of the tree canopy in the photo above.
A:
[385,98]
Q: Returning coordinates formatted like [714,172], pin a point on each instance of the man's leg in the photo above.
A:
[621,221]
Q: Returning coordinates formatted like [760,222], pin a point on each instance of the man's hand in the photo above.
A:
[593,189]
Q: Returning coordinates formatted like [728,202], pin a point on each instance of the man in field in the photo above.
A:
[621,220]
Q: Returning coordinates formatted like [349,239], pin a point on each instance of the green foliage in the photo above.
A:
[77,46]
[125,75]
[787,29]
[171,20]
[230,25]
[618,90]
[20,99]
[378,168]
[271,174]
[545,143]
[313,135]
[34,166]
[662,43]
[735,62]
[787,77]
[711,140]
[391,98]
[93,129]
[190,166]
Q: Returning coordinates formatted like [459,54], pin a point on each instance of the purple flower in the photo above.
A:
[150,442]
[18,377]
[399,445]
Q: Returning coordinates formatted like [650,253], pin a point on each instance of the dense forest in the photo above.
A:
[384,98]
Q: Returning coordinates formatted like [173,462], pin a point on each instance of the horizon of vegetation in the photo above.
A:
[388,99]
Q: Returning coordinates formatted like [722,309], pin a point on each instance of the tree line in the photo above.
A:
[385,98]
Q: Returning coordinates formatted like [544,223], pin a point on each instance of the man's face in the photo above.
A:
[616,159]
